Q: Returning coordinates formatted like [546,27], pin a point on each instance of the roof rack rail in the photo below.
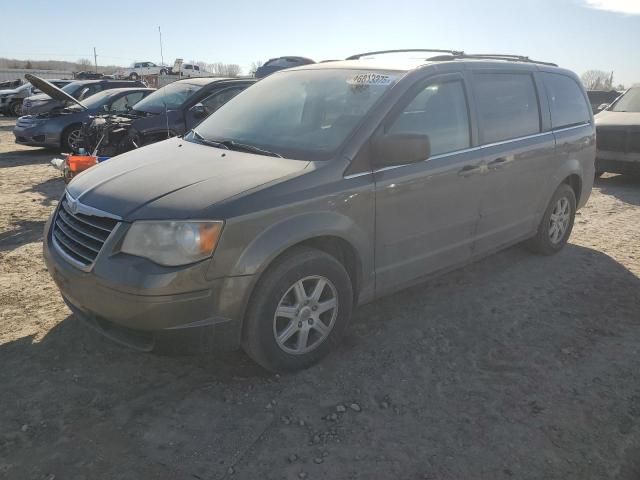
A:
[492,56]
[403,50]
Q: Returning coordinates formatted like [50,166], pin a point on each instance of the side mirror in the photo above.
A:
[400,149]
[198,110]
[603,106]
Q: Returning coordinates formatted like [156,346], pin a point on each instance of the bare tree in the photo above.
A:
[84,62]
[233,70]
[254,67]
[597,80]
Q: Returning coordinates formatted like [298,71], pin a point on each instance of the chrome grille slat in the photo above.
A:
[76,225]
[76,238]
[61,239]
[83,218]
[80,236]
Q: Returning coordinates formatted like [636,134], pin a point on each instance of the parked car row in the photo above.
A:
[112,117]
[11,100]
[316,189]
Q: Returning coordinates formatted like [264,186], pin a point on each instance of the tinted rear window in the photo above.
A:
[507,106]
[566,101]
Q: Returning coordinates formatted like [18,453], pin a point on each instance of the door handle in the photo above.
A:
[499,162]
[468,170]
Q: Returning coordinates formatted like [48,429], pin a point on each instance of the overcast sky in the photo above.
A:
[577,34]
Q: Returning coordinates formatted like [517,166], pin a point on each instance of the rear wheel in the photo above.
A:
[299,310]
[163,71]
[556,225]
[71,138]
[15,109]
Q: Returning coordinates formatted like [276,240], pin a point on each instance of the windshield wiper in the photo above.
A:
[243,147]
[211,143]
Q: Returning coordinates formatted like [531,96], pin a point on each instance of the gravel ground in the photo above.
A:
[517,366]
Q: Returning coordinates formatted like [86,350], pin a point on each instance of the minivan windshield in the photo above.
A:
[303,114]
[629,102]
[170,97]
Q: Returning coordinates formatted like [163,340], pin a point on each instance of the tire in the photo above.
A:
[276,290]
[15,109]
[68,136]
[163,72]
[133,76]
[552,235]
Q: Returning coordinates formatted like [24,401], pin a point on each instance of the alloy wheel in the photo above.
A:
[73,139]
[305,315]
[559,220]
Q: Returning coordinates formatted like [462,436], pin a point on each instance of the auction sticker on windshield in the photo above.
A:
[371,79]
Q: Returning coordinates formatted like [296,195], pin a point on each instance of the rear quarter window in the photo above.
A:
[507,106]
[566,101]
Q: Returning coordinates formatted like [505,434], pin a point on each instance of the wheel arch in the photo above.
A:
[329,232]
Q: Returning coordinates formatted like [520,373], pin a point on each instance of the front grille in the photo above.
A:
[80,236]
[619,140]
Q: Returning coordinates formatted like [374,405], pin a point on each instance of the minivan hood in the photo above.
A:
[175,179]
[607,118]
[51,90]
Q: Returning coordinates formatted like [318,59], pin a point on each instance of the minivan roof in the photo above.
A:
[418,60]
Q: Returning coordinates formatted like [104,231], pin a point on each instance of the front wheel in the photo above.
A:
[299,310]
[556,225]
[15,109]
[71,138]
[133,76]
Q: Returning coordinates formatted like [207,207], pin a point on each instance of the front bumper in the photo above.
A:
[35,136]
[148,307]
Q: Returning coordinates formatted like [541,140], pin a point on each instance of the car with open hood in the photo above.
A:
[317,189]
[168,112]
[11,99]
[618,127]
[78,90]
[62,128]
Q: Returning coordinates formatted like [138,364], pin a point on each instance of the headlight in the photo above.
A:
[172,243]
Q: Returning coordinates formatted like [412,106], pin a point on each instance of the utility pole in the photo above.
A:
[95,58]
[161,56]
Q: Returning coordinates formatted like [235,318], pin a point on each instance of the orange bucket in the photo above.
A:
[79,163]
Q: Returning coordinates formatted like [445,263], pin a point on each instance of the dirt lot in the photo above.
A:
[515,367]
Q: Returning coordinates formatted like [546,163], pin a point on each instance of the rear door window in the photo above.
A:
[507,105]
[439,111]
[129,100]
[218,99]
[566,101]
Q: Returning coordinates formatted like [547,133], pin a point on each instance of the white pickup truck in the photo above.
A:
[184,70]
[141,69]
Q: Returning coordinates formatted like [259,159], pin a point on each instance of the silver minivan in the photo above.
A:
[318,189]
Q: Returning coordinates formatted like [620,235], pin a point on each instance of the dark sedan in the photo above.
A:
[62,128]
[170,111]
